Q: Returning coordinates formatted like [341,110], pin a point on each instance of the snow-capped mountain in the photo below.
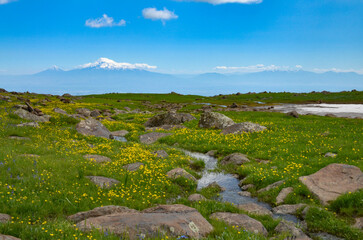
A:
[108,64]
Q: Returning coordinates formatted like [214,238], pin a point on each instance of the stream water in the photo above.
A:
[230,183]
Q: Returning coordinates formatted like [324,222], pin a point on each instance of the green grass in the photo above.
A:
[39,193]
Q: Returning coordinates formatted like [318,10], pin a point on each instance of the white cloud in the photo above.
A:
[337,70]
[258,68]
[104,21]
[6,1]
[217,2]
[154,14]
[105,63]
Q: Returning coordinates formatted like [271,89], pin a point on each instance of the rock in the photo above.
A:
[325,236]
[271,186]
[293,114]
[2,90]
[235,159]
[241,220]
[84,112]
[31,116]
[243,127]
[19,138]
[166,127]
[358,223]
[100,211]
[91,127]
[5,98]
[330,154]
[234,105]
[216,186]
[196,198]
[4,218]
[169,118]
[66,95]
[289,227]
[95,113]
[161,154]
[152,137]
[179,172]
[255,209]
[333,180]
[283,194]
[121,133]
[7,237]
[212,153]
[214,120]
[246,187]
[288,208]
[172,220]
[245,194]
[103,182]
[132,167]
[97,158]
[28,124]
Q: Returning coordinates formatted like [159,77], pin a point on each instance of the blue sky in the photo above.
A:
[182,36]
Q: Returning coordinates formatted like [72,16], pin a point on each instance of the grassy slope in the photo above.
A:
[40,192]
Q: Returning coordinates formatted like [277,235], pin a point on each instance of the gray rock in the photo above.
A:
[152,137]
[179,172]
[4,218]
[255,209]
[169,118]
[289,227]
[358,223]
[161,154]
[217,186]
[246,187]
[283,194]
[214,120]
[241,220]
[212,153]
[28,124]
[271,186]
[91,127]
[239,128]
[288,208]
[172,220]
[333,180]
[121,133]
[330,154]
[84,112]
[60,111]
[245,194]
[24,114]
[7,237]
[103,182]
[97,158]
[325,236]
[235,159]
[95,113]
[196,198]
[293,114]
[132,167]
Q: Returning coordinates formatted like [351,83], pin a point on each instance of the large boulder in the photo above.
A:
[243,127]
[241,220]
[84,112]
[97,158]
[214,120]
[283,194]
[24,114]
[4,218]
[333,180]
[235,159]
[288,208]
[132,167]
[172,220]
[91,127]
[169,118]
[152,137]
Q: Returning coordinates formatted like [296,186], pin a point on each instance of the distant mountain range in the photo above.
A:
[105,77]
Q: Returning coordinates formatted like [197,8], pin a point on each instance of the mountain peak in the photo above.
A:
[54,68]
[108,64]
